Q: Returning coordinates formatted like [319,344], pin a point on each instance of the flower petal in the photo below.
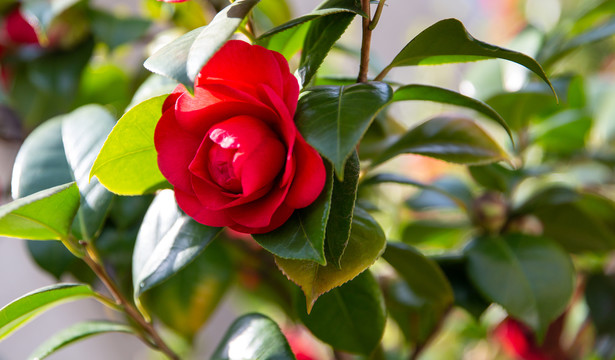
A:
[191,206]
[279,217]
[310,176]
[176,148]
[258,213]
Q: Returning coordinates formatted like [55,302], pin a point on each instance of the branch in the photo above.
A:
[365,43]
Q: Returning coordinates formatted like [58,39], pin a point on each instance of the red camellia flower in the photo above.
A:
[232,150]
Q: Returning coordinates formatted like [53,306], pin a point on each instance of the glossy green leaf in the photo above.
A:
[445,96]
[155,85]
[453,139]
[465,293]
[56,259]
[531,277]
[350,318]
[448,41]
[78,332]
[168,241]
[63,150]
[320,38]
[342,208]
[183,58]
[127,163]
[327,7]
[253,336]
[186,301]
[44,215]
[427,295]
[577,221]
[115,31]
[22,310]
[288,42]
[334,118]
[600,298]
[495,177]
[366,243]
[302,237]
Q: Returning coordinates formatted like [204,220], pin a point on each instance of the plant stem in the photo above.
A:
[93,261]
[383,73]
[365,43]
[376,18]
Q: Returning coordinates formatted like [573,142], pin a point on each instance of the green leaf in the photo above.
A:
[445,96]
[350,318]
[327,7]
[453,193]
[183,58]
[253,336]
[168,241]
[319,40]
[448,41]
[334,118]
[537,275]
[496,177]
[519,108]
[115,31]
[452,139]
[564,132]
[579,222]
[45,215]
[78,332]
[63,150]
[287,42]
[600,297]
[186,301]
[127,163]
[155,85]
[22,310]
[465,293]
[427,295]
[302,237]
[366,243]
[438,234]
[342,208]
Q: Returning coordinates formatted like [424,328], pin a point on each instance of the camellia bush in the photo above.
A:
[232,160]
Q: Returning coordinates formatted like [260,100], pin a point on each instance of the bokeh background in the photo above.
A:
[493,21]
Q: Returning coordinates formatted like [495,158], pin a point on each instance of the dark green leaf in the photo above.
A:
[452,139]
[302,237]
[186,301]
[466,295]
[427,295]
[168,241]
[445,96]
[600,298]
[320,38]
[115,31]
[366,243]
[78,332]
[44,215]
[128,162]
[578,222]
[531,277]
[183,58]
[342,208]
[253,336]
[349,318]
[334,118]
[448,41]
[495,177]
[288,42]
[22,310]
[327,7]
[63,150]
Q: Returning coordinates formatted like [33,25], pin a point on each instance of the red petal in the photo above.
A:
[19,30]
[191,206]
[212,104]
[240,61]
[291,85]
[211,195]
[310,176]
[176,149]
[262,166]
[258,213]
[170,101]
[279,217]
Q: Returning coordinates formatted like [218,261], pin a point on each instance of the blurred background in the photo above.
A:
[494,21]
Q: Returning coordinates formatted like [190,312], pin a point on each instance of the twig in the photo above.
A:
[376,18]
[365,43]
[93,261]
